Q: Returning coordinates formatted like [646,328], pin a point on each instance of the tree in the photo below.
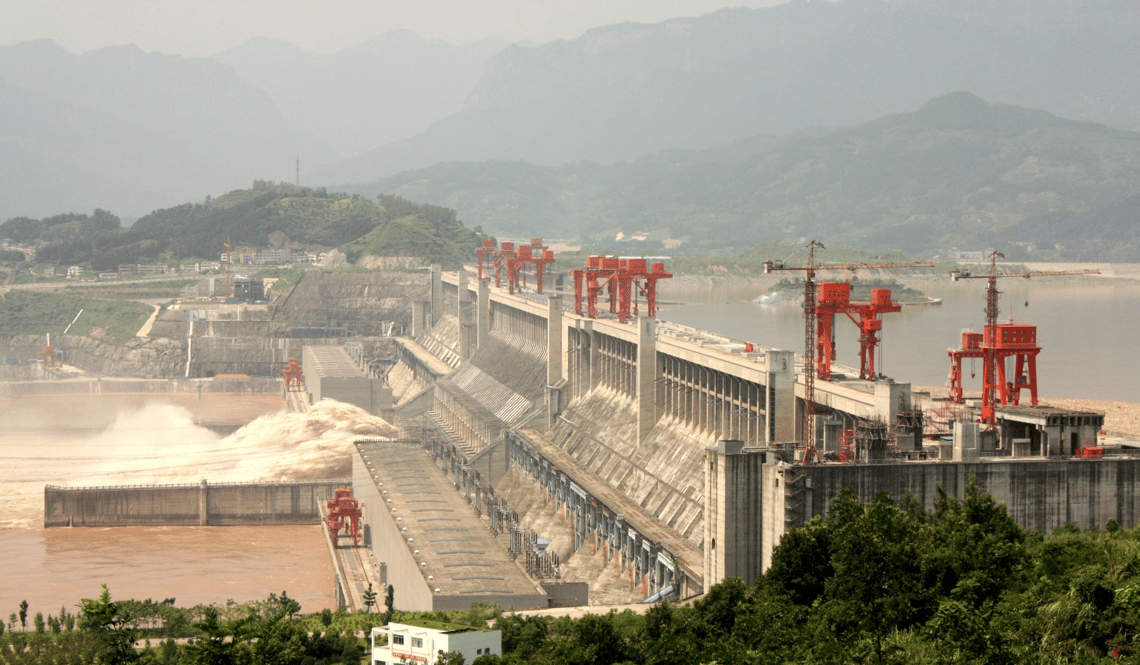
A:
[327,617]
[369,599]
[23,615]
[389,604]
[289,606]
[38,622]
[225,643]
[115,639]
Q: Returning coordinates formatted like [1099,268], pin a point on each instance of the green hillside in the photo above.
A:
[265,215]
[959,172]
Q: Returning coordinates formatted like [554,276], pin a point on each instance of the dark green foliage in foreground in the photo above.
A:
[873,582]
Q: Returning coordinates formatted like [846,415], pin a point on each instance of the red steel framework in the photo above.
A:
[293,375]
[514,259]
[810,336]
[997,343]
[626,280]
[835,298]
[345,513]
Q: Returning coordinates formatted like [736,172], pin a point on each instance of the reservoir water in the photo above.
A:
[1087,329]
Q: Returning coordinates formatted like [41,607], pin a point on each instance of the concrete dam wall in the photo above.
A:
[262,386]
[230,504]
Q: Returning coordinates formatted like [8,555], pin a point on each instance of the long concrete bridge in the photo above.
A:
[670,447]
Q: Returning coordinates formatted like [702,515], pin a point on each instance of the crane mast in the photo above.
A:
[810,309]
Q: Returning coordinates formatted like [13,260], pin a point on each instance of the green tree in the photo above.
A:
[369,597]
[877,586]
[327,617]
[389,604]
[23,615]
[224,643]
[38,622]
[111,624]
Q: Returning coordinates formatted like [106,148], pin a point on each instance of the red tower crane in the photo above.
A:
[810,316]
[1000,342]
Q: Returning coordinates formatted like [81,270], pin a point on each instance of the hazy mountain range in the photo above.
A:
[957,172]
[130,131]
[382,90]
[623,91]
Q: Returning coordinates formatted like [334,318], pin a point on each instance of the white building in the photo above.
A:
[408,643]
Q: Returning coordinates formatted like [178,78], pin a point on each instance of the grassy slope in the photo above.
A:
[29,313]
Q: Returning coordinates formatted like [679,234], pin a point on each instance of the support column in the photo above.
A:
[421,316]
[780,402]
[467,334]
[203,503]
[646,376]
[436,293]
[483,313]
[554,380]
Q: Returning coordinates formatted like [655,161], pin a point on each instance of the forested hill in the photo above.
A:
[958,172]
[266,215]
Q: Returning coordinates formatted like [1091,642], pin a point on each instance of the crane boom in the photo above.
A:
[989,359]
[809,327]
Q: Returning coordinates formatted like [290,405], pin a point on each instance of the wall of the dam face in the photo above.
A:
[237,504]
[1040,495]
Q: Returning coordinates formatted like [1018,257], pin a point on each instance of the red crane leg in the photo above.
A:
[578,292]
[1031,361]
[825,343]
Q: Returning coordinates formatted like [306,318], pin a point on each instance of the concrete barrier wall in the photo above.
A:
[236,504]
[1039,495]
[254,386]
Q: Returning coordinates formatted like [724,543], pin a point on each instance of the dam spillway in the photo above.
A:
[695,430]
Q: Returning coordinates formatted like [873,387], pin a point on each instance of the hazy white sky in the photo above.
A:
[204,27]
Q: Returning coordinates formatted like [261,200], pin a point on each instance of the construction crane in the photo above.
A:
[810,311]
[987,347]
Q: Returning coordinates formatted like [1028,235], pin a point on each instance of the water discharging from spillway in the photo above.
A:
[159,443]
[138,440]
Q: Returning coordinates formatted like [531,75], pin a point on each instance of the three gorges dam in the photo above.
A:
[551,457]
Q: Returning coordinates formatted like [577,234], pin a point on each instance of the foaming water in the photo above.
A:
[91,441]
[158,443]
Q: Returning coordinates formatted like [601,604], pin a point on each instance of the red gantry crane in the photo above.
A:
[999,342]
[535,254]
[514,259]
[345,513]
[812,343]
[626,279]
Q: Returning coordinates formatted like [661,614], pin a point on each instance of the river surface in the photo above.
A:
[1087,329]
[121,440]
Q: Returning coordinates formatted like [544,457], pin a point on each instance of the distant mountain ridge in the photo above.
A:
[389,87]
[623,91]
[957,172]
[120,128]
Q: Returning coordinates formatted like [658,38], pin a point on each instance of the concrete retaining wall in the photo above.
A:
[255,386]
[236,504]
[1040,495]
